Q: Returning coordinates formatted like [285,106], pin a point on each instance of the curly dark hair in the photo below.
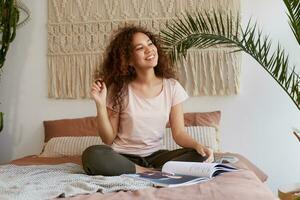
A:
[115,70]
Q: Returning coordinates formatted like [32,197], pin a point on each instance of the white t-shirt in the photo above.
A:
[143,121]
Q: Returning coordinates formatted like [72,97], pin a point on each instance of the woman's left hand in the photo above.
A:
[204,151]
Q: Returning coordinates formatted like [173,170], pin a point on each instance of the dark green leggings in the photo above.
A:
[103,160]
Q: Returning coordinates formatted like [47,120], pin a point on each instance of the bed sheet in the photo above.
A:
[239,185]
[246,183]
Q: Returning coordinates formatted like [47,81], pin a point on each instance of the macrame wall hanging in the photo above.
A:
[79,31]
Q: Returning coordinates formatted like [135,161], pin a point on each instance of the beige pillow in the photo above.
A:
[202,126]
[68,146]
[205,135]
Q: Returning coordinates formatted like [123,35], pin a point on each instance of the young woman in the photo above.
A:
[135,99]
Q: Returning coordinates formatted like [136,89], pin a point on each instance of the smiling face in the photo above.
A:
[144,52]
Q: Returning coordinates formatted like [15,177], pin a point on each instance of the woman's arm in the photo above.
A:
[107,122]
[181,137]
[107,119]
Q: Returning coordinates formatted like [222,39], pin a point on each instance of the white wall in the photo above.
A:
[257,123]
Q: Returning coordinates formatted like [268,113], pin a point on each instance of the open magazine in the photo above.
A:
[178,173]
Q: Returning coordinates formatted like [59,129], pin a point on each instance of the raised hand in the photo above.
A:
[99,92]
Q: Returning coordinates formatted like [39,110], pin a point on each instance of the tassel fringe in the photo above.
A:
[79,31]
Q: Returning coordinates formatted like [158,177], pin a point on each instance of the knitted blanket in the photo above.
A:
[63,180]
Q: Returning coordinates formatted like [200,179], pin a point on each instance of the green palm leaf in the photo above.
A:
[9,17]
[204,30]
[293,7]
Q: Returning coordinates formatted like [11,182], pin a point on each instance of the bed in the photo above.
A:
[57,171]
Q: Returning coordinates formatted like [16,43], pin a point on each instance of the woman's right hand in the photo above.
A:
[99,92]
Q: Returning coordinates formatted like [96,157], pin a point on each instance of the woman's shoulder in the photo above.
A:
[171,80]
[177,92]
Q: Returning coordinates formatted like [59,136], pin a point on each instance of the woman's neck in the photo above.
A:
[146,78]
[147,85]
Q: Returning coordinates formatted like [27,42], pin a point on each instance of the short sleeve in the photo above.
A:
[179,93]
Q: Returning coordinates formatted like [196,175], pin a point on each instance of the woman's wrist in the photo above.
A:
[100,106]
[196,145]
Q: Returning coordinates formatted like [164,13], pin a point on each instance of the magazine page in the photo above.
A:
[221,168]
[188,168]
[196,168]
[163,179]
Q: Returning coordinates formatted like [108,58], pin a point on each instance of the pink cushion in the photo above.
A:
[202,119]
[86,126]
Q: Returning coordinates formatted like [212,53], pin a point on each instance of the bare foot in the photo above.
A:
[140,169]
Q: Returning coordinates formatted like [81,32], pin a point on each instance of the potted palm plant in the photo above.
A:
[9,17]
[203,30]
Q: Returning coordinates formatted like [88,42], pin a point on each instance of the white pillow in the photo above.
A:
[69,146]
[206,135]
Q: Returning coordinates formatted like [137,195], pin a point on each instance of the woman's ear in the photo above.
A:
[130,63]
[131,69]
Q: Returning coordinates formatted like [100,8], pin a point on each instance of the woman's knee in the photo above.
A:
[103,160]
[94,159]
[96,149]
[95,152]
